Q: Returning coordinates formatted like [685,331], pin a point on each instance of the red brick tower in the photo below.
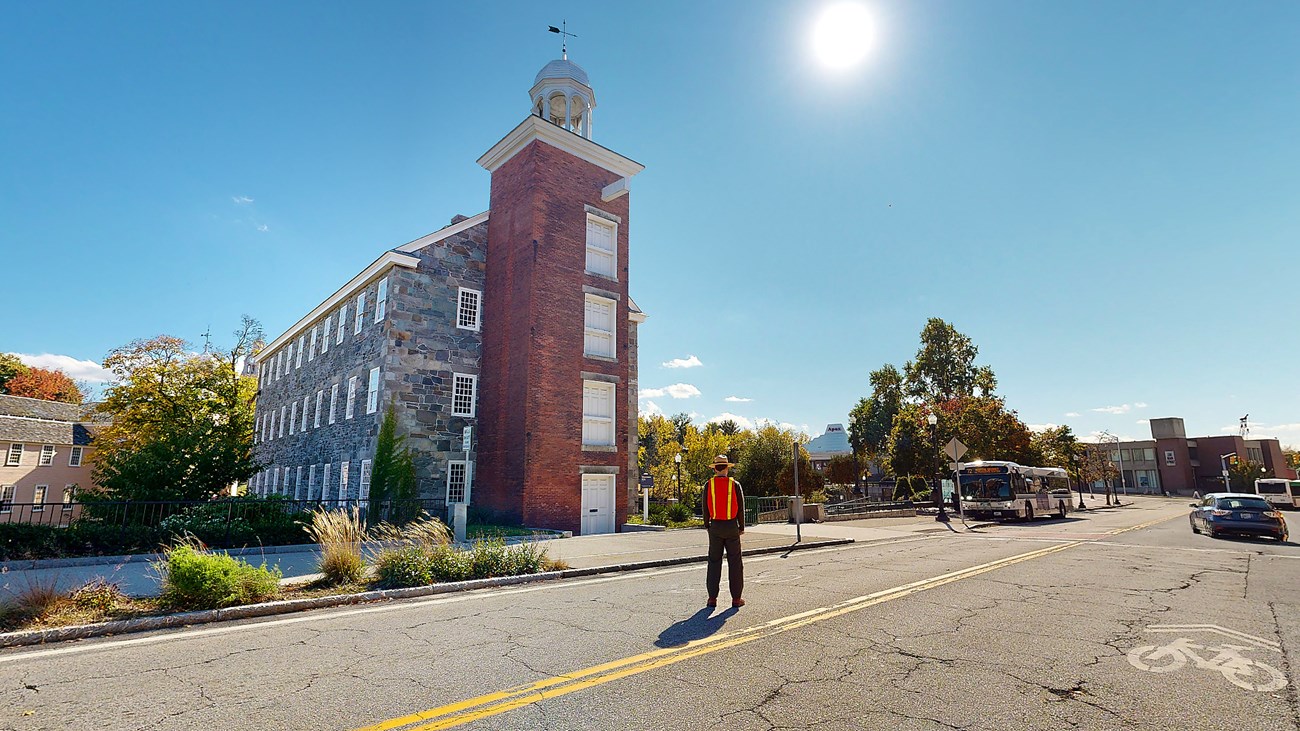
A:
[554,448]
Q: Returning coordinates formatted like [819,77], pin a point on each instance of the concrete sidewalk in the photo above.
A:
[138,578]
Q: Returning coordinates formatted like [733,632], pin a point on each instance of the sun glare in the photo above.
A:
[843,35]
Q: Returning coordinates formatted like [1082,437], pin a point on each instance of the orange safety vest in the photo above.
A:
[722,508]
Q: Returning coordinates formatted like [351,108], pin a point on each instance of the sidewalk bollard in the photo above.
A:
[645,506]
[798,518]
[458,516]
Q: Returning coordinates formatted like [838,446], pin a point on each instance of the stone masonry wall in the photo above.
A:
[331,364]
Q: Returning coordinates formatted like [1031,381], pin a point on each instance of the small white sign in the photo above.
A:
[465,436]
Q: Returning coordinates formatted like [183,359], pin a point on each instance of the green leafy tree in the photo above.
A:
[871,421]
[810,480]
[842,469]
[1054,447]
[909,450]
[181,423]
[1244,473]
[681,422]
[10,367]
[944,367]
[763,457]
[392,473]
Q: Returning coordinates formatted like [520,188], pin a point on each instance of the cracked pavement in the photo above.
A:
[1039,644]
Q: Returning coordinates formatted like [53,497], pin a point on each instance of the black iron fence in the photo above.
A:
[35,530]
[865,506]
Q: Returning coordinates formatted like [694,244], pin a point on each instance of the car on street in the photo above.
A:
[1232,513]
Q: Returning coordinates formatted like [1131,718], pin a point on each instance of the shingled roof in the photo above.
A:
[35,421]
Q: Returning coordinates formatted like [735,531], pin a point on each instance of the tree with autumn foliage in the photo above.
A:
[181,422]
[47,385]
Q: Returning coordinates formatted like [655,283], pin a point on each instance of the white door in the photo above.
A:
[597,504]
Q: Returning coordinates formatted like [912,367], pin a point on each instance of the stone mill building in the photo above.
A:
[515,322]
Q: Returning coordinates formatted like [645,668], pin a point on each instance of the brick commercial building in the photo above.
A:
[515,322]
[1172,462]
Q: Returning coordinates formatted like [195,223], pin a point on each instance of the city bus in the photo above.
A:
[1279,492]
[1006,490]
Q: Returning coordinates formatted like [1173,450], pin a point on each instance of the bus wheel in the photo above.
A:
[1029,511]
[1060,510]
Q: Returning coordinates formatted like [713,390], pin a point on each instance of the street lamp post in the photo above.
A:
[1223,465]
[933,420]
[1074,462]
[678,459]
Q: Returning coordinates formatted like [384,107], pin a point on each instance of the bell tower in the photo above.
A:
[557,371]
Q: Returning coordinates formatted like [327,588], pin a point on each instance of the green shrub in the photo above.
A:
[679,513]
[399,568]
[448,564]
[658,514]
[195,579]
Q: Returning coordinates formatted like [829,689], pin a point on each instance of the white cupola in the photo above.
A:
[562,96]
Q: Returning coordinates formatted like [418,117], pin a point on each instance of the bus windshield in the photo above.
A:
[986,488]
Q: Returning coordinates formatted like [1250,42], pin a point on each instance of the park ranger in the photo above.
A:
[724,520]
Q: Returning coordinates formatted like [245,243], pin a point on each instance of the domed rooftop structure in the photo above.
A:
[562,95]
[562,68]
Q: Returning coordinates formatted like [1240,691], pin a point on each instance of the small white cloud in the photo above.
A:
[801,428]
[261,227]
[1071,413]
[689,361]
[241,199]
[77,370]
[1139,405]
[677,390]
[1143,421]
[1041,427]
[741,421]
[738,399]
[651,408]
[1121,409]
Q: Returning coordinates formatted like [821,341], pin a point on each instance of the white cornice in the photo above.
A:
[443,233]
[536,128]
[382,264]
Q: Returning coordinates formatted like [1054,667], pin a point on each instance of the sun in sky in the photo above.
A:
[843,34]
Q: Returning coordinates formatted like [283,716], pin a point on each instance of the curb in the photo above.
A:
[266,609]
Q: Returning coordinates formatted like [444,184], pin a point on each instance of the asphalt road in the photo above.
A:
[1025,626]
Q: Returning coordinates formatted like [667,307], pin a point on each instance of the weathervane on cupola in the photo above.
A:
[561,93]
[563,30]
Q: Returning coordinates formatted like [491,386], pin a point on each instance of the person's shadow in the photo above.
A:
[695,627]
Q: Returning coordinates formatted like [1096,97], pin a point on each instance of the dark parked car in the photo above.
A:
[1224,513]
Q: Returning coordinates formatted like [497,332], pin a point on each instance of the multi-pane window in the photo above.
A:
[599,321]
[344,466]
[325,483]
[334,399]
[74,457]
[38,498]
[311,353]
[468,308]
[69,496]
[297,484]
[272,425]
[284,416]
[456,481]
[325,335]
[597,414]
[462,394]
[15,456]
[279,361]
[288,357]
[601,235]
[47,455]
[315,419]
[372,392]
[293,418]
[301,347]
[363,487]
[6,498]
[343,317]
[381,299]
[311,482]
[275,479]
[361,313]
[352,398]
[306,404]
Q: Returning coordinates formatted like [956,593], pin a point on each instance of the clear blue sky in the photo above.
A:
[1104,195]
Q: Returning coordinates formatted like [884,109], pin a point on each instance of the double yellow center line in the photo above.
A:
[492,704]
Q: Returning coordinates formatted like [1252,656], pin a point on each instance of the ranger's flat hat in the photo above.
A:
[721,460]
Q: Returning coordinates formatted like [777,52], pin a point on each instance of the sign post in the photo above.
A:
[955,449]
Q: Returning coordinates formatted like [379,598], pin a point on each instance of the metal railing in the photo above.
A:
[864,506]
[104,526]
[775,509]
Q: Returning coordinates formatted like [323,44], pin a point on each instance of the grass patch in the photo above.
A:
[339,534]
[483,532]
[193,578]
